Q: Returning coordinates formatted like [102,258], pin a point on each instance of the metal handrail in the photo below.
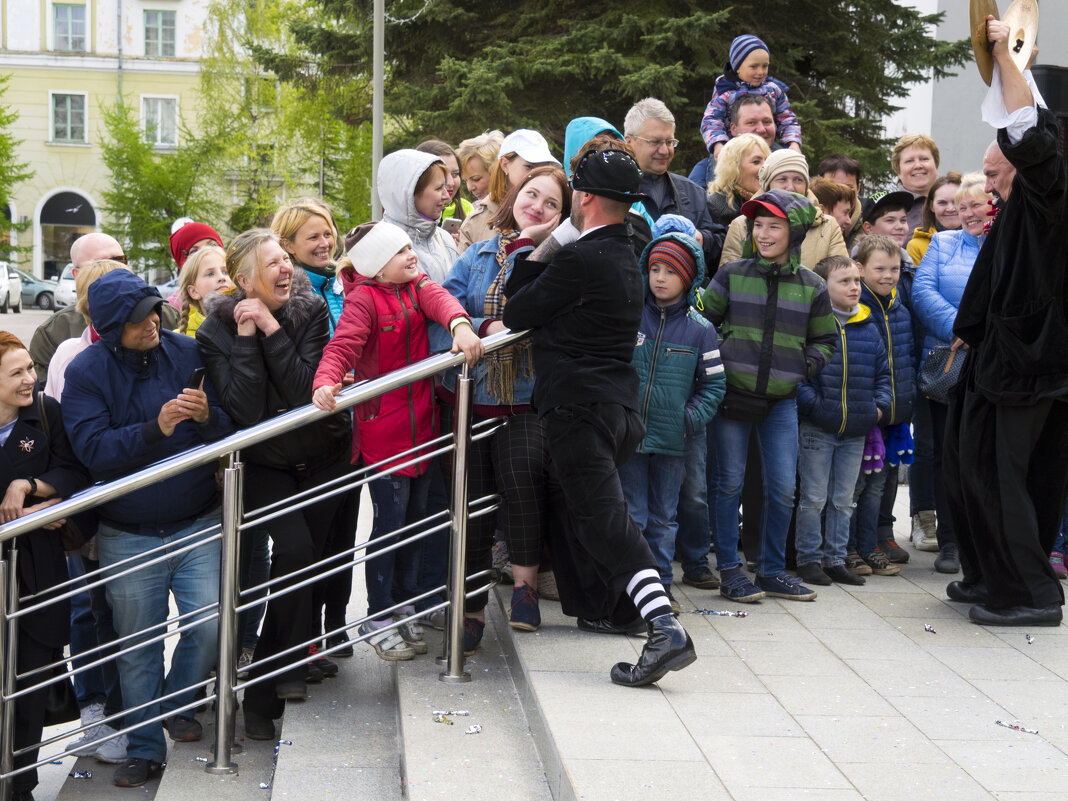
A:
[361,392]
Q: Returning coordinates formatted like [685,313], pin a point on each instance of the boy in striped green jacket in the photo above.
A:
[776,329]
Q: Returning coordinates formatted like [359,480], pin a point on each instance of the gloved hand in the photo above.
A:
[899,444]
[874,451]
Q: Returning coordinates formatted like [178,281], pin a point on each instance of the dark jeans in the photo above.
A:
[393,576]
[89,686]
[105,633]
[921,472]
[947,530]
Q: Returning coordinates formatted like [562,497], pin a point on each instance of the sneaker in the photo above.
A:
[924,528]
[736,586]
[948,560]
[473,631]
[856,565]
[411,631]
[258,727]
[1056,561]
[182,729]
[135,772]
[785,586]
[343,640]
[840,574]
[703,579]
[92,713]
[547,588]
[880,565]
[244,662]
[894,552]
[326,667]
[90,745]
[112,751]
[675,608]
[813,573]
[388,644]
[436,619]
[525,614]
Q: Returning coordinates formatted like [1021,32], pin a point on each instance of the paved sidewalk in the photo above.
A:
[847,697]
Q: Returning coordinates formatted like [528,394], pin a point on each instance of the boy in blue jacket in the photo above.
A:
[681,384]
[837,408]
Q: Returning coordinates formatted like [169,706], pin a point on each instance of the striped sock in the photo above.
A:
[647,593]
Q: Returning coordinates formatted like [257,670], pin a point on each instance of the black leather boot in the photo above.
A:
[669,647]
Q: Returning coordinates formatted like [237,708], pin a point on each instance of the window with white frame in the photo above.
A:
[160,35]
[159,118]
[68,27]
[68,117]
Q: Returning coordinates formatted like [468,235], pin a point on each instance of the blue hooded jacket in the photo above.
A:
[895,323]
[111,401]
[677,359]
[843,397]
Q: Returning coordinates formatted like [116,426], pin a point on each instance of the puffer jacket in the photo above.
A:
[939,284]
[846,396]
[398,173]
[326,285]
[917,246]
[260,377]
[823,239]
[383,328]
[111,401]
[677,359]
[893,321]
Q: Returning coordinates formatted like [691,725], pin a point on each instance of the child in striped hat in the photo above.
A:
[681,382]
[746,72]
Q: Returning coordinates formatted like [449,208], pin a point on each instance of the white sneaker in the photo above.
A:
[89,743]
[411,632]
[924,526]
[93,713]
[113,751]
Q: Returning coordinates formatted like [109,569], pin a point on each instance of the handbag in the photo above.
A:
[70,534]
[941,371]
[61,703]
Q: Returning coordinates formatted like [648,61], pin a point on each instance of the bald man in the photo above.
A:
[999,172]
[67,323]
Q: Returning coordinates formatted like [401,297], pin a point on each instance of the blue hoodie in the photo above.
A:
[111,402]
[677,359]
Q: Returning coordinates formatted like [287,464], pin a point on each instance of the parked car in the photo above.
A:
[14,289]
[168,289]
[36,292]
[5,289]
[64,293]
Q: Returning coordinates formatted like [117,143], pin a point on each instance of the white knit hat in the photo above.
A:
[373,244]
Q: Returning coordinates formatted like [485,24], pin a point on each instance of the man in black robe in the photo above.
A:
[1006,448]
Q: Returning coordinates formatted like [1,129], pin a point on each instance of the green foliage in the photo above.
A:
[12,171]
[149,189]
[461,66]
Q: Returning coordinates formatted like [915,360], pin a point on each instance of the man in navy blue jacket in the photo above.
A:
[126,405]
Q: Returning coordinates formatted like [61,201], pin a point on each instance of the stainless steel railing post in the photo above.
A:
[7,676]
[226,668]
[454,672]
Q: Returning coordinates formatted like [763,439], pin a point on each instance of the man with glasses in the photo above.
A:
[649,129]
[68,323]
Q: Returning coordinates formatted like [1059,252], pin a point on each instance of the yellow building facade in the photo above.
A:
[66,65]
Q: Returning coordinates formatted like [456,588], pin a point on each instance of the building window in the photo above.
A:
[159,117]
[159,34]
[69,27]
[68,118]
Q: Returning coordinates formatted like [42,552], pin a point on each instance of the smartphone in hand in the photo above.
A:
[195,378]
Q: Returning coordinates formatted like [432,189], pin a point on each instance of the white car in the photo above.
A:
[14,294]
[5,289]
[65,288]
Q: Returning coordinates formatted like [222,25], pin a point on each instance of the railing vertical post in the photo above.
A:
[454,635]
[226,668]
[9,601]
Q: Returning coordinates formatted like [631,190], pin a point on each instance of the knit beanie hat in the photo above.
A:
[678,259]
[785,160]
[188,235]
[373,244]
[741,47]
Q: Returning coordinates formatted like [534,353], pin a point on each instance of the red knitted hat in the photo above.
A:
[677,257]
[187,236]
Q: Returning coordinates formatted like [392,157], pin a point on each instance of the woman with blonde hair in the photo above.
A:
[307,232]
[477,155]
[737,176]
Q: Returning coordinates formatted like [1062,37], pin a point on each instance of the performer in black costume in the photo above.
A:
[1005,464]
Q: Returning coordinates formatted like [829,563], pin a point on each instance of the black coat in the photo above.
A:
[1014,311]
[259,377]
[28,453]
[585,307]
[687,199]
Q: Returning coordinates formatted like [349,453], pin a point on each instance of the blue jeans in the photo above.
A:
[139,600]
[868,498]
[398,500]
[692,542]
[777,438]
[828,465]
[89,687]
[650,484]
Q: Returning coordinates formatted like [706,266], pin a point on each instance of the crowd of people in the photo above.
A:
[754,337]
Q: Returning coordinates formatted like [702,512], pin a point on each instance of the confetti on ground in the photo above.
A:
[473,729]
[1030,639]
[930,628]
[82,774]
[721,612]
[202,759]
[442,719]
[1015,726]
[457,712]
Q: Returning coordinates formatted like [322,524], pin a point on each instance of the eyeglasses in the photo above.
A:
[659,143]
[121,257]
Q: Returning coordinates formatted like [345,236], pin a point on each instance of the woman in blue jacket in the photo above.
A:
[939,285]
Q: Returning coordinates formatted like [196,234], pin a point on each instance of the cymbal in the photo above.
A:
[980,10]
[1022,17]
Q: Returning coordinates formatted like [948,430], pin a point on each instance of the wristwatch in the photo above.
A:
[33,485]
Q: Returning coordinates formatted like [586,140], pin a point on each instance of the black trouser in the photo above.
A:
[297,540]
[586,445]
[331,595]
[30,709]
[947,529]
[1006,477]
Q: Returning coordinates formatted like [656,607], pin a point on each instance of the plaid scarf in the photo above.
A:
[504,365]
